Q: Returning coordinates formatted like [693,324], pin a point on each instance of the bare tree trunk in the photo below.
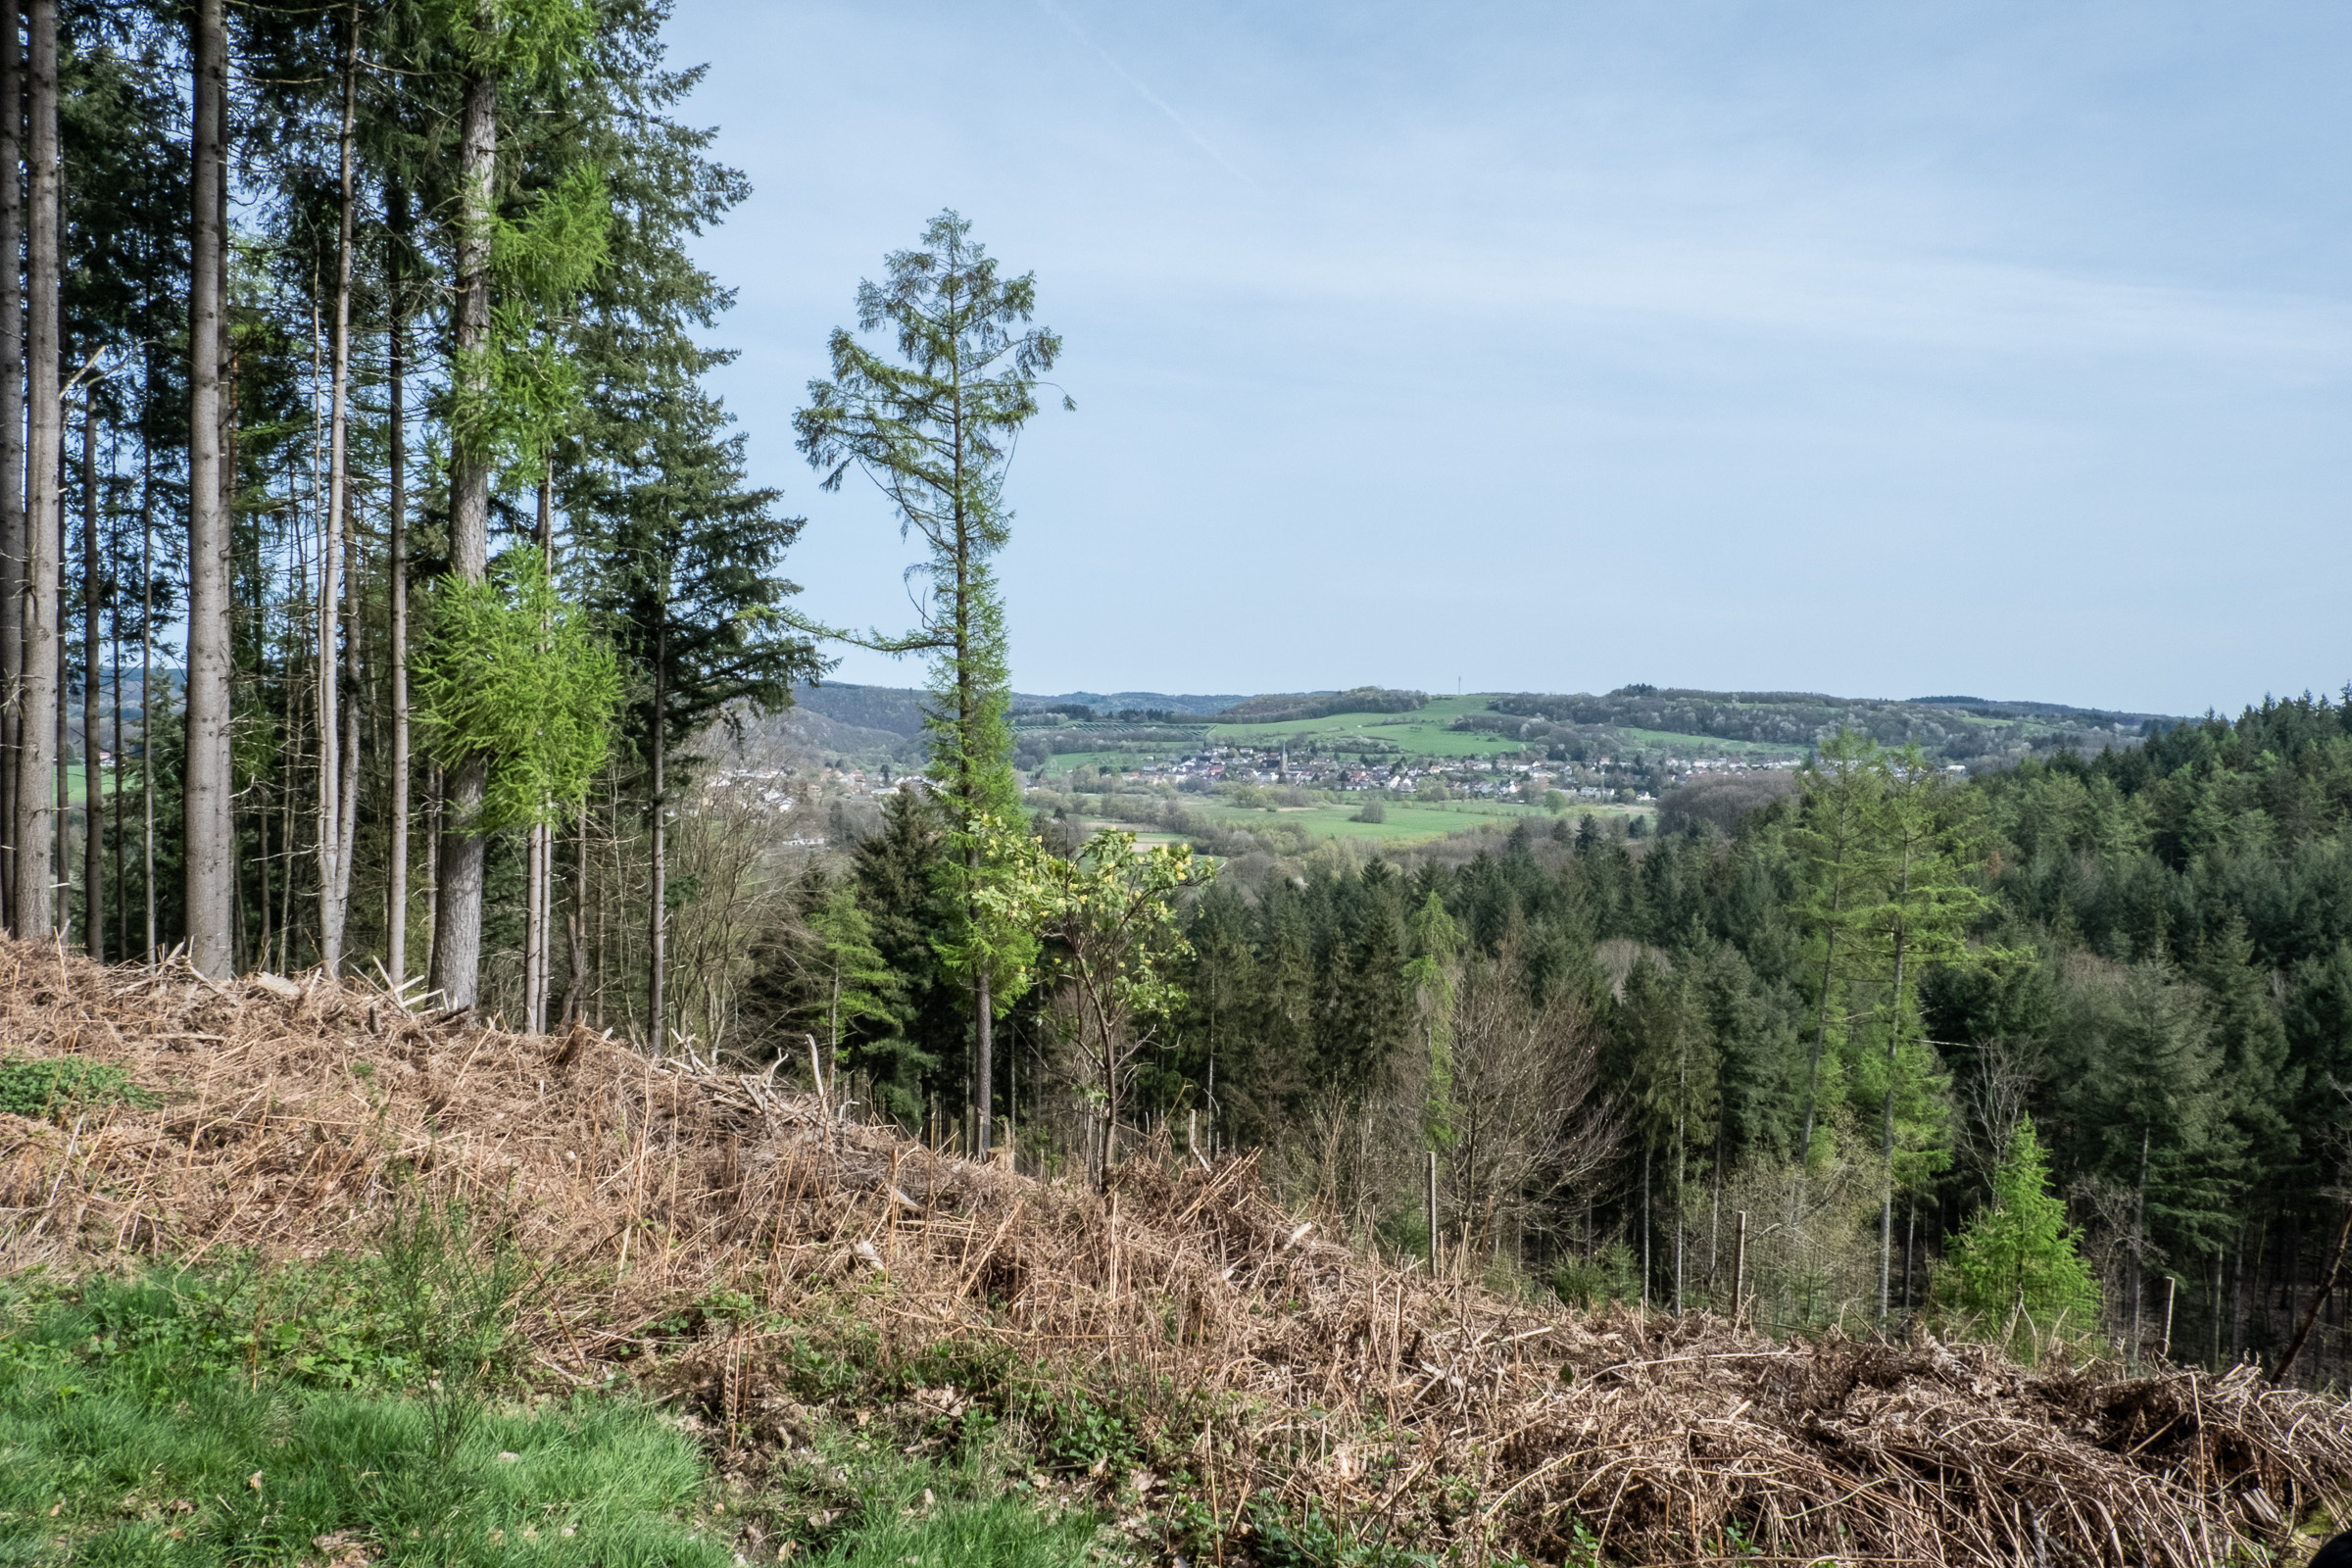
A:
[396,895]
[656,922]
[147,673]
[36,809]
[575,989]
[533,931]
[121,875]
[457,924]
[211,827]
[334,872]
[538,946]
[983,1063]
[12,536]
[93,819]
[1646,1220]
[62,877]
[432,867]
[2139,1230]
[1894,1041]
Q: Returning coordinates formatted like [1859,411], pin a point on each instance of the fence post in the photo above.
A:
[1429,1204]
[1739,1267]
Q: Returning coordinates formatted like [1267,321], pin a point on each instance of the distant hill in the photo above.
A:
[1953,729]
[1129,702]
[900,709]
[896,709]
[1640,719]
[1290,707]
[2013,709]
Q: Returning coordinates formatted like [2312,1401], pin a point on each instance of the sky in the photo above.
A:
[1988,349]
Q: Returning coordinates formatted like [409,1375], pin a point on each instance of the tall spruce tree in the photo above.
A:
[934,429]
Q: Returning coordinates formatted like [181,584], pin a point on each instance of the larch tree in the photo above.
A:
[934,430]
[528,41]
[1835,844]
[1927,899]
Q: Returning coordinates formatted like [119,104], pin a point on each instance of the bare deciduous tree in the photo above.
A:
[1528,1121]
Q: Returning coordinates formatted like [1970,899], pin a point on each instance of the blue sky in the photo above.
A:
[1880,350]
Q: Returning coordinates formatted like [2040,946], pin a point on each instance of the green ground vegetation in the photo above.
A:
[312,1412]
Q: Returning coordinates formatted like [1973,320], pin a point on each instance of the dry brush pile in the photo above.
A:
[1263,1372]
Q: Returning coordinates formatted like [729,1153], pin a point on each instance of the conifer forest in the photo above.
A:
[383,593]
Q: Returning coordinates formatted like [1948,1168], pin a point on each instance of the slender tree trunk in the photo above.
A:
[147,675]
[534,878]
[14,538]
[538,944]
[334,881]
[575,989]
[36,809]
[1894,1041]
[1910,1245]
[457,926]
[62,874]
[93,818]
[432,867]
[210,825]
[656,920]
[1682,1163]
[1646,1221]
[347,813]
[396,894]
[121,896]
[1821,1033]
[2140,1231]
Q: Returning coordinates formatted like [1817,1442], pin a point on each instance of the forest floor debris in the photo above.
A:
[1181,1349]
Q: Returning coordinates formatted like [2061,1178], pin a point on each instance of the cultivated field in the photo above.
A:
[1417,734]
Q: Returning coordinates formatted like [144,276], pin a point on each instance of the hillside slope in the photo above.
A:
[1199,1360]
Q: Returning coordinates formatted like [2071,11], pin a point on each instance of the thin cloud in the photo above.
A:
[1146,93]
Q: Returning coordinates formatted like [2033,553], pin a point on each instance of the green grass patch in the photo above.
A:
[870,1508]
[363,1409]
[1062,761]
[118,1447]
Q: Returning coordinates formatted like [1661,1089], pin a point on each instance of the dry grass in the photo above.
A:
[1271,1365]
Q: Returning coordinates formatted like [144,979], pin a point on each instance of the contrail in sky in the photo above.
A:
[1148,95]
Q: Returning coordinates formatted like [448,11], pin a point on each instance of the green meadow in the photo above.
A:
[1424,733]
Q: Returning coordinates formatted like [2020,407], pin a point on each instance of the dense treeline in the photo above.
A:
[1953,729]
[1836,1016]
[373,548]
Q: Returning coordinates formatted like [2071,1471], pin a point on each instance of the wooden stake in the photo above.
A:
[1429,1203]
[1739,1267]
